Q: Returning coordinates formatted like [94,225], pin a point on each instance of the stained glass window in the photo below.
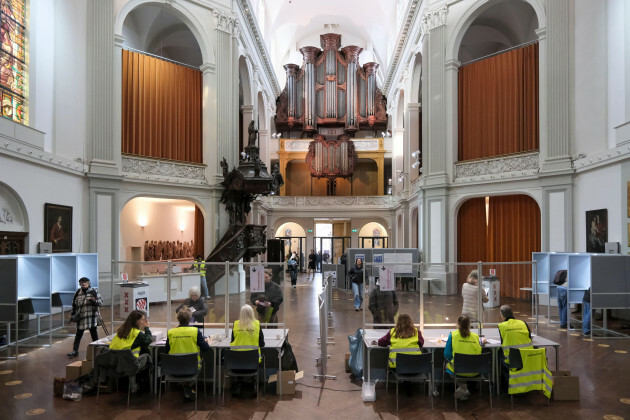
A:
[13,70]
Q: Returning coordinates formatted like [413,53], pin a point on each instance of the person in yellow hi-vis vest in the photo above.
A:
[404,335]
[515,334]
[200,266]
[186,339]
[533,376]
[464,342]
[246,335]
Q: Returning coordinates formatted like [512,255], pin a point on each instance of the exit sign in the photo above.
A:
[354,230]
[309,230]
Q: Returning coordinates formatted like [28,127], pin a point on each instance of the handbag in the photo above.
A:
[75,318]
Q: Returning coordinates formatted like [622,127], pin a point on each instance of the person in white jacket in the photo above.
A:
[470,293]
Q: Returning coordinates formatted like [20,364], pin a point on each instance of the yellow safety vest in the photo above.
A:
[515,336]
[245,339]
[183,340]
[201,267]
[461,345]
[126,343]
[402,345]
[533,376]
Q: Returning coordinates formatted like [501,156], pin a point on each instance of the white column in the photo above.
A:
[104,89]
[554,87]
[225,82]
[209,140]
[412,118]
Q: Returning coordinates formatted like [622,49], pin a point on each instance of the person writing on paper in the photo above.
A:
[464,342]
[186,339]
[470,293]
[268,304]
[404,335]
[85,313]
[356,275]
[246,332]
[196,303]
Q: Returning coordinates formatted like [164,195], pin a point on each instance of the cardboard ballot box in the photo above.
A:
[565,386]
[288,381]
[73,370]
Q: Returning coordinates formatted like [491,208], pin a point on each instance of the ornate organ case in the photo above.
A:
[331,89]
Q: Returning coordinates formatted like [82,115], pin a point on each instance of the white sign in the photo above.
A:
[386,278]
[257,278]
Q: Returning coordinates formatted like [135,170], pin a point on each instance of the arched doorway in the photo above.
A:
[502,228]
[373,235]
[294,241]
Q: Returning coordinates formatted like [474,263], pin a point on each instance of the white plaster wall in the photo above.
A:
[589,77]
[593,190]
[163,220]
[617,66]
[37,185]
[41,52]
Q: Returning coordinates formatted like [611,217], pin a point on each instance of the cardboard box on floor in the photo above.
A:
[565,386]
[288,381]
[86,367]
[89,355]
[73,370]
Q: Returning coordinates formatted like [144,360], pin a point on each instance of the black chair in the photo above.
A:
[438,370]
[181,368]
[243,364]
[116,364]
[412,368]
[516,364]
[473,363]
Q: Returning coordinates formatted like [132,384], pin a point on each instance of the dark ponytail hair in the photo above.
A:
[464,325]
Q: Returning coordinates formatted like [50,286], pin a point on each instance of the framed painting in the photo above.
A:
[596,230]
[58,227]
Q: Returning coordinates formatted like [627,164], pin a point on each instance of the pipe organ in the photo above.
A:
[331,90]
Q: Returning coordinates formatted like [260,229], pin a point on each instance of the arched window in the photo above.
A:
[13,69]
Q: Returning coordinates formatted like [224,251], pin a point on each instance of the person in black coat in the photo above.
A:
[383,305]
[356,275]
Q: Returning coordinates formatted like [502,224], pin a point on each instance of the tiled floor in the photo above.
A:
[602,365]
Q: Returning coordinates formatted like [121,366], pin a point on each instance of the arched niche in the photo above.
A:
[13,214]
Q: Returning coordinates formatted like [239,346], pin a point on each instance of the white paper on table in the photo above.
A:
[191,309]
[386,278]
[257,279]
[492,341]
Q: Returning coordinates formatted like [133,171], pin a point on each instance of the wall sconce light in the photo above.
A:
[386,134]
[276,135]
[401,175]
[417,156]
[182,226]
[142,221]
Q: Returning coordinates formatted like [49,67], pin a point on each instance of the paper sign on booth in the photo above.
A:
[386,279]
[257,278]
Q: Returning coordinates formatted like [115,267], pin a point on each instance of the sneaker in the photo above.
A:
[73,353]
[356,309]
[586,333]
[294,286]
[563,326]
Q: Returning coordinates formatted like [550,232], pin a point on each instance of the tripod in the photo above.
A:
[102,324]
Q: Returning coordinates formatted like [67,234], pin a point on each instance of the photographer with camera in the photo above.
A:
[85,312]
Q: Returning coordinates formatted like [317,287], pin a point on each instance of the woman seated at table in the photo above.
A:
[134,334]
[186,339]
[461,341]
[196,304]
[403,336]
[246,332]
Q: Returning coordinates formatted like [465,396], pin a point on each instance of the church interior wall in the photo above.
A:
[53,187]
[594,190]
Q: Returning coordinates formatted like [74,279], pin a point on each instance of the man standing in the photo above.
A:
[268,304]
[200,265]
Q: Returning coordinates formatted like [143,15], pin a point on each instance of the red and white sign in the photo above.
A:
[386,278]
[141,304]
[257,279]
[493,271]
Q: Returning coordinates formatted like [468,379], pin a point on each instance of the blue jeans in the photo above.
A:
[562,305]
[586,317]
[204,287]
[358,295]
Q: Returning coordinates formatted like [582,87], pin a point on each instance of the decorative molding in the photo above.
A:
[329,201]
[383,202]
[158,170]
[433,19]
[6,217]
[378,200]
[208,68]
[405,29]
[296,145]
[36,155]
[367,145]
[526,164]
[223,21]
